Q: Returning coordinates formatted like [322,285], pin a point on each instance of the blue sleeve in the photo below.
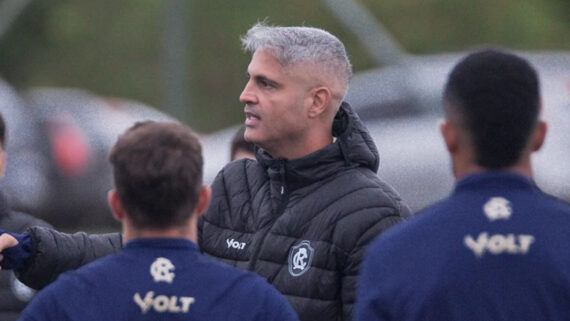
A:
[368,296]
[17,257]
[276,307]
[44,307]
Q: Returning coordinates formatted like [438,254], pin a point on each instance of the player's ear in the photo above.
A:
[449,135]
[539,135]
[116,205]
[203,200]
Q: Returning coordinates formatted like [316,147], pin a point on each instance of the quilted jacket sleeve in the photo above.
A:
[356,254]
[55,252]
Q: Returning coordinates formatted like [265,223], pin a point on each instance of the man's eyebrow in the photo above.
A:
[263,78]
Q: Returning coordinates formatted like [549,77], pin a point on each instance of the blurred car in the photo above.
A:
[402,105]
[25,162]
[61,172]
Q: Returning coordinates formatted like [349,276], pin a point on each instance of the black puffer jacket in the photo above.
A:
[14,295]
[304,224]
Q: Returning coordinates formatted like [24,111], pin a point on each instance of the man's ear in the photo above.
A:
[203,200]
[449,135]
[320,100]
[116,206]
[539,135]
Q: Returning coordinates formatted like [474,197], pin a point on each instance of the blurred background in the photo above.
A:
[76,73]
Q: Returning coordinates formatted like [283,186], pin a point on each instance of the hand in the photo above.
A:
[6,241]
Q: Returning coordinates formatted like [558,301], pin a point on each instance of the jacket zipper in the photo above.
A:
[280,210]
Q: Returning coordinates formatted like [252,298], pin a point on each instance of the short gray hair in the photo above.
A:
[292,45]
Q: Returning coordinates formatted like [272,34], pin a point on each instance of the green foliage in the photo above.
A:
[113,47]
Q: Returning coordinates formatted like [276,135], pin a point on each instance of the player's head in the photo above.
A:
[157,168]
[492,99]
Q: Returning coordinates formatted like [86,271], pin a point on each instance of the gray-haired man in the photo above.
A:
[303,213]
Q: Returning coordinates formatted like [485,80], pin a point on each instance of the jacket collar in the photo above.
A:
[353,147]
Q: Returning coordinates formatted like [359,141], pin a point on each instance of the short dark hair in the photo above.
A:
[239,143]
[157,168]
[495,95]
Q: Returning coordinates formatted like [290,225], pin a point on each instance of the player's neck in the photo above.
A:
[186,232]
[523,167]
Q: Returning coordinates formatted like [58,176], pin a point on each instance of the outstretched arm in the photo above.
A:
[41,254]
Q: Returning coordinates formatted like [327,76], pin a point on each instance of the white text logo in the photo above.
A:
[163,303]
[161,270]
[235,244]
[498,244]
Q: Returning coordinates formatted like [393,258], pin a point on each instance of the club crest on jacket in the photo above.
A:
[300,258]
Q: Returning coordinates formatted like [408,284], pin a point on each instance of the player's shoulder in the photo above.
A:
[425,224]
[90,274]
[554,204]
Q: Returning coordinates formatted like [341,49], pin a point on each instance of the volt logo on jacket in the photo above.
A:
[235,244]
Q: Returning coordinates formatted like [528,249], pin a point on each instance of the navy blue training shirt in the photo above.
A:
[159,279]
[496,249]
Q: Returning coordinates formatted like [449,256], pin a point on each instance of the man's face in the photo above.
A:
[276,101]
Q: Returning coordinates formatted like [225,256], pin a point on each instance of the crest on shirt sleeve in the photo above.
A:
[300,258]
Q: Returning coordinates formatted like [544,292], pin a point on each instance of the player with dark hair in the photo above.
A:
[497,247]
[496,102]
[160,274]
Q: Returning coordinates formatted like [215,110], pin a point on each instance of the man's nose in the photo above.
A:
[247,96]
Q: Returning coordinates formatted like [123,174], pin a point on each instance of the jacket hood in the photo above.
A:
[354,139]
[353,147]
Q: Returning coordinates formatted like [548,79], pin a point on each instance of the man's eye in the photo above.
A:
[265,83]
